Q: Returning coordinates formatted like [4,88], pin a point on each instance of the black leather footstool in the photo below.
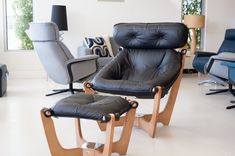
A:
[107,110]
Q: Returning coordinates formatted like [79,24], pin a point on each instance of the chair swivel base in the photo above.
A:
[59,91]
[66,108]
[216,91]
[232,106]
[70,89]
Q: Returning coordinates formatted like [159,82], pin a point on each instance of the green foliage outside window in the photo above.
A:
[23,10]
[193,7]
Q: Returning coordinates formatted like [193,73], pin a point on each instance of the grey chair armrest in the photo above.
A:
[225,56]
[79,67]
[215,64]
[83,58]
[82,51]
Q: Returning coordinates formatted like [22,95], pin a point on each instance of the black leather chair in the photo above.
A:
[202,57]
[147,67]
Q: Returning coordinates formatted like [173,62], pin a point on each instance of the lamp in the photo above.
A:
[59,16]
[193,22]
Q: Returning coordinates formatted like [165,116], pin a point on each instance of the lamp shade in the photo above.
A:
[194,21]
[59,16]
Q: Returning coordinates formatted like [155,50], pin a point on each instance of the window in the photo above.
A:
[193,7]
[18,15]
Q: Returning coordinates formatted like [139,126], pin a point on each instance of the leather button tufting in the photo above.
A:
[132,35]
[158,35]
[146,35]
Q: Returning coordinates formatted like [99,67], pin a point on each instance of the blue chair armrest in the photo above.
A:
[204,54]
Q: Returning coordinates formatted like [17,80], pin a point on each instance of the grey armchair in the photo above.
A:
[58,62]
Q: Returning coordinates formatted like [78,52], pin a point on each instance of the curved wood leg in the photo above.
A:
[102,126]
[80,140]
[55,148]
[120,122]
[121,145]
[165,115]
[88,88]
[109,137]
[149,122]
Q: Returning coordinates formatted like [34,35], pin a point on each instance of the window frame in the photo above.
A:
[5,30]
[201,44]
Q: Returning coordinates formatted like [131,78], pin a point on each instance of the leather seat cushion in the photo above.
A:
[95,107]
[137,72]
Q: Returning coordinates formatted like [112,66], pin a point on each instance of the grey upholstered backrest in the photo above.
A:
[52,53]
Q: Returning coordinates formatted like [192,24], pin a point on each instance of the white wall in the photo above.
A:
[87,18]
[20,64]
[93,18]
[220,15]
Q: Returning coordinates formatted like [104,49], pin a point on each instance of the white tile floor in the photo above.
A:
[200,125]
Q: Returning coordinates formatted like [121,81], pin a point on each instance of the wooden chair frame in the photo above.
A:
[148,122]
[87,148]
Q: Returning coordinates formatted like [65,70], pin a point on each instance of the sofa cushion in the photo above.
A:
[98,46]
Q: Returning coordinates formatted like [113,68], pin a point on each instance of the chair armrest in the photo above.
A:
[80,59]
[229,64]
[204,54]
[222,57]
[82,67]
[82,51]
[225,56]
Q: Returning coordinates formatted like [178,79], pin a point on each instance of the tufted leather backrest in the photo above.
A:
[150,35]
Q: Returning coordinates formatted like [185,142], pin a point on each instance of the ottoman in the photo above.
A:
[104,109]
[3,79]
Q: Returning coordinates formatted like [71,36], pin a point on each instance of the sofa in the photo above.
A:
[101,61]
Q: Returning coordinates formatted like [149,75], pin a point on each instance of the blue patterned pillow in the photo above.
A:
[98,46]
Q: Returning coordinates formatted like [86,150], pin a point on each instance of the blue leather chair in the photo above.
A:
[231,77]
[202,65]
[202,57]
[217,72]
